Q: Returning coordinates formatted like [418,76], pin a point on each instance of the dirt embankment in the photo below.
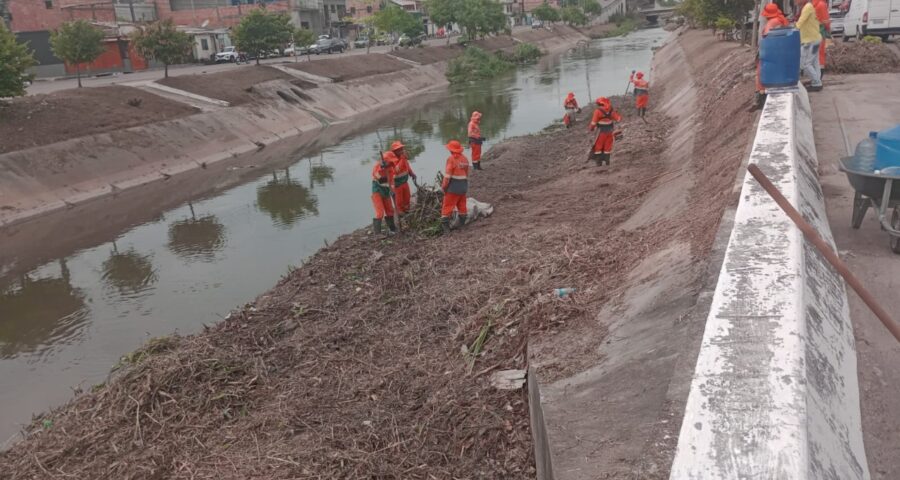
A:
[235,86]
[350,67]
[861,57]
[44,119]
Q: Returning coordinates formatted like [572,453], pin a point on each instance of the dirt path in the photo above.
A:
[341,69]
[848,108]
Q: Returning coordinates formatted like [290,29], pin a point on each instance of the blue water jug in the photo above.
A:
[779,58]
[887,149]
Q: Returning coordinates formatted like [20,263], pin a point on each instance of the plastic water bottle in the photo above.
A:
[865,153]
[562,292]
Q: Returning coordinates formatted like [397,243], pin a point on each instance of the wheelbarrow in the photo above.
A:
[877,191]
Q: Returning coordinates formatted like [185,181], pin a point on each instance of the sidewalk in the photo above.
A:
[843,114]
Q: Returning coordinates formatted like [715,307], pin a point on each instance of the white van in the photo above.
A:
[880,18]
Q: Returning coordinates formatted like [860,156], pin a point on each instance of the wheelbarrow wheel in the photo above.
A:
[860,205]
[895,224]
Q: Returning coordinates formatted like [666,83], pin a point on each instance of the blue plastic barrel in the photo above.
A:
[779,58]
[887,148]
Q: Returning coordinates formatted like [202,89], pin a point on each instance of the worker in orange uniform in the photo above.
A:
[455,185]
[571,107]
[475,139]
[382,179]
[774,19]
[825,25]
[641,92]
[604,119]
[402,172]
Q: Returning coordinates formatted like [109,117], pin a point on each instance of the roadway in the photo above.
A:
[843,113]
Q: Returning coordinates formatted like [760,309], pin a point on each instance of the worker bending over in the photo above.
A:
[475,139]
[402,172]
[641,92]
[382,179]
[604,120]
[571,107]
[455,185]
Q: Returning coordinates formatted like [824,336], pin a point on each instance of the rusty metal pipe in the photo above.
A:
[813,236]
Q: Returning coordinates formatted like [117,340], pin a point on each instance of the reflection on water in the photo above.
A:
[197,238]
[34,313]
[67,322]
[129,272]
[286,200]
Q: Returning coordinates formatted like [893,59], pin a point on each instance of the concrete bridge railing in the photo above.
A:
[775,392]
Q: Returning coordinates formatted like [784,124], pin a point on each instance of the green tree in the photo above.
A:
[394,19]
[15,58]
[573,16]
[545,13]
[303,38]
[162,42]
[76,43]
[481,17]
[591,7]
[261,32]
[443,12]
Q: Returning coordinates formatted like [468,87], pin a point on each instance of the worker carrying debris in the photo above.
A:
[455,186]
[475,139]
[402,172]
[571,107]
[382,179]
[641,92]
[604,119]
[774,19]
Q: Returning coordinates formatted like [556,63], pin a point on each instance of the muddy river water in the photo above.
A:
[64,324]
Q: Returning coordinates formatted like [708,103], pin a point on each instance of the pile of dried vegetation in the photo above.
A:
[861,57]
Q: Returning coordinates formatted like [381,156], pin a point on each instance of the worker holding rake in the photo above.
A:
[641,92]
[455,186]
[382,180]
[604,119]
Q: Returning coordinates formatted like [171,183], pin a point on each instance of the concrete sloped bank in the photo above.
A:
[775,391]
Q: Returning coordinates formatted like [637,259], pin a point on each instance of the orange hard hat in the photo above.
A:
[397,145]
[454,146]
[571,94]
[603,101]
[640,75]
[771,11]
[476,115]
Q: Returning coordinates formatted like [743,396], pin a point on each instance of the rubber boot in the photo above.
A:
[376,226]
[477,165]
[445,225]
[462,220]
[391,225]
[604,159]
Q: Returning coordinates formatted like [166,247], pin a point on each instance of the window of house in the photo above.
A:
[332,8]
[304,25]
[48,4]
[368,9]
[204,44]
[352,10]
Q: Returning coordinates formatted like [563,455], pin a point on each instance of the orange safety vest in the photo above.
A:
[571,103]
[382,178]
[401,170]
[775,22]
[604,120]
[456,175]
[641,87]
[474,132]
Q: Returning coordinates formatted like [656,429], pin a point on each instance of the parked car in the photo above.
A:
[880,18]
[382,39]
[361,42]
[537,24]
[837,21]
[407,41]
[328,45]
[230,54]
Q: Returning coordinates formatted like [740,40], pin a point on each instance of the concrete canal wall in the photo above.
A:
[775,392]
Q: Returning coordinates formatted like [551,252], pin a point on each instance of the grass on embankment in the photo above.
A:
[477,64]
